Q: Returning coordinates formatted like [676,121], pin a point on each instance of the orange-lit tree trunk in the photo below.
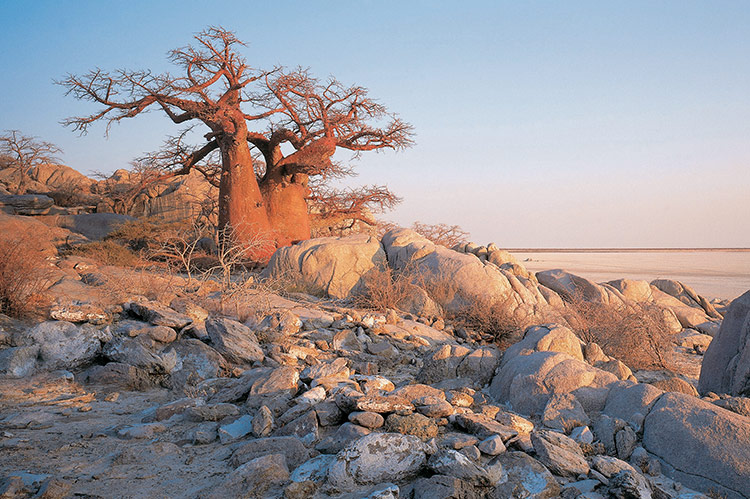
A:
[241,208]
[285,197]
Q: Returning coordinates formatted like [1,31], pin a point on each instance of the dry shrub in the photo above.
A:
[107,252]
[384,288]
[23,274]
[495,320]
[636,334]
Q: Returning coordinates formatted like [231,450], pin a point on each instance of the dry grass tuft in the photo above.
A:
[107,252]
[23,274]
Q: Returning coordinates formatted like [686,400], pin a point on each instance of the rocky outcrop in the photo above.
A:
[462,279]
[332,265]
[726,364]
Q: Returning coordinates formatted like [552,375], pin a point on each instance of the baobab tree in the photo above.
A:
[245,108]
[22,153]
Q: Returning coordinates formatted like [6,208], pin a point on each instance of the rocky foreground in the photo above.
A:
[181,395]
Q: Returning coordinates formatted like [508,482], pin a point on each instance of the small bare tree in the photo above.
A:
[22,153]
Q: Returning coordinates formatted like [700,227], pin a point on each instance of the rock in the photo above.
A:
[416,301]
[468,278]
[376,458]
[526,382]
[524,476]
[178,406]
[571,286]
[160,315]
[605,429]
[559,453]
[686,295]
[629,484]
[211,412]
[344,435]
[563,412]
[63,345]
[479,366]
[443,487]
[582,435]
[94,226]
[675,384]
[26,204]
[626,399]
[451,463]
[262,422]
[370,420]
[726,363]
[141,431]
[492,446]
[205,434]
[235,341]
[328,413]
[255,478]
[53,488]
[383,404]
[334,266]
[237,429]
[291,447]
[609,466]
[483,426]
[195,363]
[544,339]
[141,352]
[18,362]
[593,353]
[12,487]
[118,375]
[77,312]
[633,290]
[433,407]
[617,368]
[702,445]
[305,427]
[739,405]
[412,424]
[689,338]
[313,470]
[280,324]
[334,369]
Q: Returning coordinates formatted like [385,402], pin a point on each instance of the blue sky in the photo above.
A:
[539,124]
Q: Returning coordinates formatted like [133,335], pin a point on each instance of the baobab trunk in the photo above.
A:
[241,208]
[286,205]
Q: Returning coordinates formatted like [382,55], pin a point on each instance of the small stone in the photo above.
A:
[582,435]
[84,408]
[238,429]
[472,452]
[492,446]
[262,423]
[139,431]
[370,420]
[381,404]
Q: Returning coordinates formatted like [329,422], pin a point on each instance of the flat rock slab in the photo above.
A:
[703,445]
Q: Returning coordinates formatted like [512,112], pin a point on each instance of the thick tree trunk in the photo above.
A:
[286,205]
[241,208]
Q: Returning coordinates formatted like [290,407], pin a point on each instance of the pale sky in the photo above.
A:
[538,124]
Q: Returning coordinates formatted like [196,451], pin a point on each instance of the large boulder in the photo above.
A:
[332,265]
[458,280]
[686,295]
[376,458]
[63,345]
[527,382]
[700,444]
[235,341]
[551,338]
[726,364]
[60,176]
[25,204]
